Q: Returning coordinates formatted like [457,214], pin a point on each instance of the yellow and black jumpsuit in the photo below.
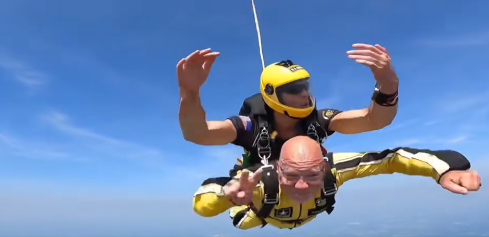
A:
[210,201]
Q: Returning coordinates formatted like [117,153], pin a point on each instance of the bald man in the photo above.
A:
[303,183]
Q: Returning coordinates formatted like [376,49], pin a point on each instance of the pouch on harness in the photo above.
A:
[271,193]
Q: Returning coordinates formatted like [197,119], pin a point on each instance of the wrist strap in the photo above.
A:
[386,100]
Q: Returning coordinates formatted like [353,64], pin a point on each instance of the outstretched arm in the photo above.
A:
[209,200]
[216,195]
[405,160]
[378,115]
[383,108]
[196,129]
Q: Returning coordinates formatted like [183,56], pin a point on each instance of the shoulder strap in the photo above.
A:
[253,105]
[263,140]
[271,191]
[314,129]
[321,118]
[330,188]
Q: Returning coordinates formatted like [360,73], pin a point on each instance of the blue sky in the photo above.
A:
[88,125]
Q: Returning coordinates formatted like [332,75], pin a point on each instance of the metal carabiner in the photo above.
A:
[264,152]
[313,133]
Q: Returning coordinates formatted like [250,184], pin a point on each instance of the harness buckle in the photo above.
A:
[263,138]
[263,146]
[313,133]
[270,199]
[267,168]
[331,191]
[264,150]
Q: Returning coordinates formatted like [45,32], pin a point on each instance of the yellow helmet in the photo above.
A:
[281,74]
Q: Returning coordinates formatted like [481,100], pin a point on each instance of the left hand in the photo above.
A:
[461,181]
[378,60]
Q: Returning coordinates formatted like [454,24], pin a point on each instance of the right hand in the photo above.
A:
[192,71]
[240,192]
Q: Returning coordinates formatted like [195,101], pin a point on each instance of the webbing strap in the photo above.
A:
[263,141]
[330,188]
[271,191]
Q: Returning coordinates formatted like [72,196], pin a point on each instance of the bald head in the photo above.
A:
[301,152]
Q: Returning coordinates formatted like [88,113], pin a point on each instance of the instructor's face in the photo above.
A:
[299,101]
[301,185]
[296,94]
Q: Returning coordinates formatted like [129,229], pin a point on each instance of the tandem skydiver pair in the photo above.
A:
[285,109]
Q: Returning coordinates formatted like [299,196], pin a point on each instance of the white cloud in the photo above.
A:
[408,142]
[91,215]
[31,150]
[104,145]
[7,140]
[462,103]
[93,68]
[431,122]
[427,141]
[399,125]
[466,113]
[455,140]
[466,40]
[218,161]
[60,121]
[22,72]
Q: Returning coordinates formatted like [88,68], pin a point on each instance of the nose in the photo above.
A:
[301,184]
[304,94]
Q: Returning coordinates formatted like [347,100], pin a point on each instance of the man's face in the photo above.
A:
[301,184]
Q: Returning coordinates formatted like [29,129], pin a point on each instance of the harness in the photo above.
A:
[254,106]
[271,193]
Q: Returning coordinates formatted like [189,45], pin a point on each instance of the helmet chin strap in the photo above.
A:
[258,32]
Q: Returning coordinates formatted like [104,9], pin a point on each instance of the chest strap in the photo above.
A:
[264,142]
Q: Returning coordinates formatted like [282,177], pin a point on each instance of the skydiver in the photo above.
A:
[284,108]
[302,184]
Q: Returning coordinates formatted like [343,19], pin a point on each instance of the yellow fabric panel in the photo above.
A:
[400,161]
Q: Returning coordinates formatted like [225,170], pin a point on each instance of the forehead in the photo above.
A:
[303,169]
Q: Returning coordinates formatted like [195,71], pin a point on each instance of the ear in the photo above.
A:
[279,167]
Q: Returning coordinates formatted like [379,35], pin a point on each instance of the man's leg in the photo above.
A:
[244,218]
